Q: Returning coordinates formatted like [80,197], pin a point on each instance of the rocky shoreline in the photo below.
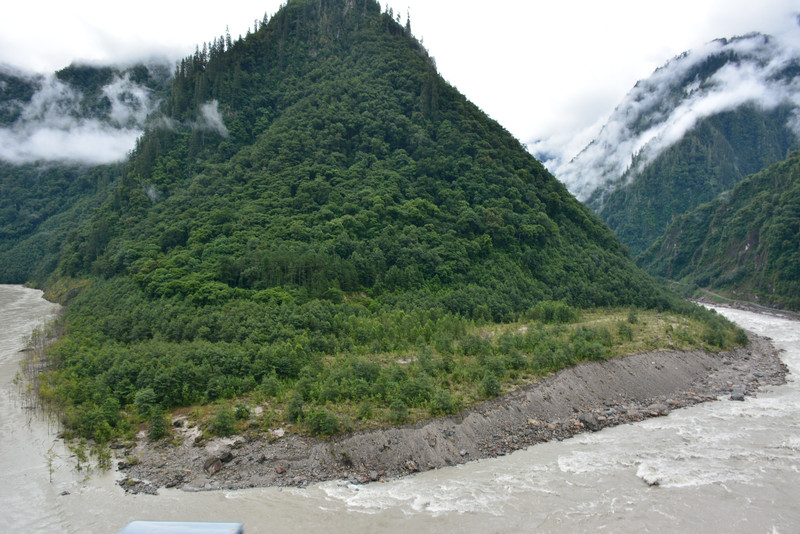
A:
[587,397]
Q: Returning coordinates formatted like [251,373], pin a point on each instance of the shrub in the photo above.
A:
[158,427]
[271,385]
[294,409]
[624,331]
[490,385]
[145,401]
[242,412]
[398,411]
[224,421]
[364,410]
[554,312]
[321,422]
[442,403]
[714,336]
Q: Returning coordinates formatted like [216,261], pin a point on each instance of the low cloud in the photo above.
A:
[659,111]
[54,124]
[211,119]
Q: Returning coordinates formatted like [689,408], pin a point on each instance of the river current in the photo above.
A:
[717,467]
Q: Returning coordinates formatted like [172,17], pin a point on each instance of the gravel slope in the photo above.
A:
[587,397]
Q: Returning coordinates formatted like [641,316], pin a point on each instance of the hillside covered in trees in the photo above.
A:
[745,243]
[698,125]
[715,155]
[313,209]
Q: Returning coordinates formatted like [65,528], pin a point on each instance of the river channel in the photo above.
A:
[721,466]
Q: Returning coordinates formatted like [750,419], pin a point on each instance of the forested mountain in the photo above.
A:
[312,203]
[745,243]
[116,95]
[697,126]
[39,204]
[711,158]
[54,130]
[77,102]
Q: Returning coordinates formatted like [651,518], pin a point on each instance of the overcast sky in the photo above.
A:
[541,69]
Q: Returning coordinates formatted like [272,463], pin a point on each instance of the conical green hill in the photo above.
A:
[324,153]
[311,192]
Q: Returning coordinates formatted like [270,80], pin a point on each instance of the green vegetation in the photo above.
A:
[320,224]
[39,206]
[746,243]
[711,158]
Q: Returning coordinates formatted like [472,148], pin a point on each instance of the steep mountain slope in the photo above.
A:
[39,205]
[54,130]
[745,242]
[315,209]
[693,129]
[79,115]
[711,158]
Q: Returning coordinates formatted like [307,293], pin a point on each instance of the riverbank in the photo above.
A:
[587,397]
[715,299]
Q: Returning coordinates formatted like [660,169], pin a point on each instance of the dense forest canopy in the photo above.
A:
[715,155]
[313,202]
[745,242]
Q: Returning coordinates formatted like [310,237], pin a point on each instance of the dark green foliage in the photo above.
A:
[39,207]
[224,421]
[398,411]
[157,426]
[442,403]
[321,422]
[624,331]
[353,205]
[745,242]
[146,402]
[294,410]
[242,412]
[711,158]
[554,312]
[490,385]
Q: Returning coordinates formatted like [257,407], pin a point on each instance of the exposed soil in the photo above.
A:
[587,397]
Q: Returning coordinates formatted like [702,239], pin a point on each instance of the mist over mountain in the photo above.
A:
[753,70]
[82,114]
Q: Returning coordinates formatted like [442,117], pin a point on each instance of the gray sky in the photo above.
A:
[542,69]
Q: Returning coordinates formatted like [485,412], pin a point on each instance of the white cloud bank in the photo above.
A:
[658,111]
[53,127]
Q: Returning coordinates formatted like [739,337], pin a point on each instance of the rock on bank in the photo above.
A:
[586,397]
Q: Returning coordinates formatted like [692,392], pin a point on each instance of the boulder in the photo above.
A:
[737,393]
[590,421]
[212,466]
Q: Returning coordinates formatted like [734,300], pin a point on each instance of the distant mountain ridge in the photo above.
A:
[755,70]
[746,242]
[59,136]
[84,114]
[698,125]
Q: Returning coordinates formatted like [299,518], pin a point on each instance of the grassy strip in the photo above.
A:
[348,392]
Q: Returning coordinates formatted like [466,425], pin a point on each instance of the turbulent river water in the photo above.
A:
[722,466]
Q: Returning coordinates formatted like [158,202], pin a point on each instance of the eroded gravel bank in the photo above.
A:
[587,397]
